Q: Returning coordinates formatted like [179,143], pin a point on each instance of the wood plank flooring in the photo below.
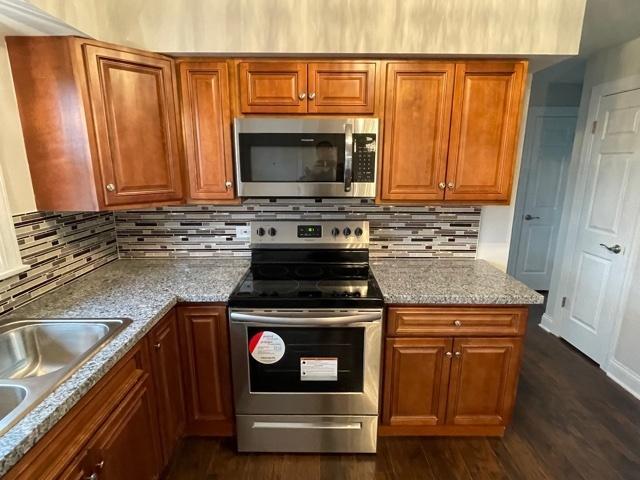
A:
[571,422]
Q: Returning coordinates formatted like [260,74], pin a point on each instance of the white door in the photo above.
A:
[549,140]
[610,209]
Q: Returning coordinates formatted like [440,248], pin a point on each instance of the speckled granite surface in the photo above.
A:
[143,290]
[455,281]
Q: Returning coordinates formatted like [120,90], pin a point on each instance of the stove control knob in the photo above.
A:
[346,231]
[272,232]
[335,231]
[260,232]
[358,231]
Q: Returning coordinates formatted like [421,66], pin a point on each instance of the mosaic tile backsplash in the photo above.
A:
[210,230]
[58,248]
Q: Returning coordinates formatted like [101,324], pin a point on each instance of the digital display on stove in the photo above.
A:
[309,231]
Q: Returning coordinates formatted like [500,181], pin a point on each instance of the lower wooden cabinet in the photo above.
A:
[207,370]
[448,385]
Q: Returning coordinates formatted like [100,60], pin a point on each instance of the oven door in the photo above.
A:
[306,361]
[293,157]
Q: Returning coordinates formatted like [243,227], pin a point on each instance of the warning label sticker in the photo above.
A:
[266,347]
[319,369]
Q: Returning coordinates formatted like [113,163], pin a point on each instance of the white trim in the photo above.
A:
[625,377]
[547,324]
[10,259]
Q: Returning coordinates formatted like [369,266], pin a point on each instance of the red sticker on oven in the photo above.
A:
[266,347]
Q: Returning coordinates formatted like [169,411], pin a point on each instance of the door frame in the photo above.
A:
[553,318]
[523,180]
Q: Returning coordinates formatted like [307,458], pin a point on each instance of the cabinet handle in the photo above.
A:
[449,354]
[157,346]
[111,187]
[228,184]
[450,185]
[302,96]
[93,476]
[457,323]
[312,95]
[442,185]
[458,354]
[100,465]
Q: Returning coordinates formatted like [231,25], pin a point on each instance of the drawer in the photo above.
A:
[456,321]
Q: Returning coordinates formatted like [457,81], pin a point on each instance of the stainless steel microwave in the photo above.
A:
[306,157]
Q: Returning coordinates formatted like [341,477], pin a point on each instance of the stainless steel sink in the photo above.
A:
[38,355]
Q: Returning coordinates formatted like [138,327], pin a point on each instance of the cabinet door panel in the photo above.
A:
[273,87]
[415,381]
[484,378]
[134,115]
[416,130]
[167,375]
[205,346]
[484,131]
[207,129]
[336,87]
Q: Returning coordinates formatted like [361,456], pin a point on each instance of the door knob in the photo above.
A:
[613,249]
[530,217]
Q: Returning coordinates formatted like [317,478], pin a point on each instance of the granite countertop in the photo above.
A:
[449,281]
[143,290]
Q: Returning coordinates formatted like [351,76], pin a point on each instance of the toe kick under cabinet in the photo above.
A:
[451,370]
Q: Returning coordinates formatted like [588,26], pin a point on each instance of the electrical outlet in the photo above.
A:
[243,233]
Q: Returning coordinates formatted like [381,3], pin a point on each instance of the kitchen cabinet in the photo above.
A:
[207,369]
[442,377]
[330,87]
[206,120]
[112,139]
[451,130]
[168,383]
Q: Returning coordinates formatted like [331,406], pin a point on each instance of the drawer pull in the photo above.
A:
[457,323]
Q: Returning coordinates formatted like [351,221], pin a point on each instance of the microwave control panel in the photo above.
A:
[364,157]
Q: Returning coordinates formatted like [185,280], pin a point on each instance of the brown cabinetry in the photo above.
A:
[112,139]
[437,381]
[207,370]
[330,87]
[167,375]
[451,130]
[206,120]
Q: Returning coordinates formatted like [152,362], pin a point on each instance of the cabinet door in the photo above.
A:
[416,130]
[133,102]
[126,446]
[205,347]
[78,470]
[273,87]
[484,378]
[206,118]
[167,376]
[336,87]
[416,375]
[484,131]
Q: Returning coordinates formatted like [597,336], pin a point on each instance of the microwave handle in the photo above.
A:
[348,156]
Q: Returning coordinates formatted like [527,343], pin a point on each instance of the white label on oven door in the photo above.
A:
[266,347]
[319,369]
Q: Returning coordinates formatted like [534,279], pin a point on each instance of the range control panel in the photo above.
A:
[310,234]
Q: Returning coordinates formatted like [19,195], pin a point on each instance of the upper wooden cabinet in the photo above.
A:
[484,130]
[416,130]
[331,87]
[100,123]
[450,130]
[206,120]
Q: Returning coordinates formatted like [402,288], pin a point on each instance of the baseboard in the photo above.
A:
[625,377]
[547,324]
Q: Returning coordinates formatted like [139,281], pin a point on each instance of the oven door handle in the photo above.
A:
[305,321]
[348,156]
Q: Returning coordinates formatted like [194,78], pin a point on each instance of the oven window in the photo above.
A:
[324,346]
[279,157]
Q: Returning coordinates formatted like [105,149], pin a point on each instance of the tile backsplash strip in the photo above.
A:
[210,230]
[58,247]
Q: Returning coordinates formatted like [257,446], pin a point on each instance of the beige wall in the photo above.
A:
[483,27]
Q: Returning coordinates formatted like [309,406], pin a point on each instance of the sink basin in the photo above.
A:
[36,356]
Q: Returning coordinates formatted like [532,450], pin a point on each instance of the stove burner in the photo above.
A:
[308,271]
[275,287]
[272,271]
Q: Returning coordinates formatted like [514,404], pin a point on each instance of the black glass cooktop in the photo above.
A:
[308,279]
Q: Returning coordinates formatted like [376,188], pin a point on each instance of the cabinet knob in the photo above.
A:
[93,476]
[157,346]
[449,354]
[100,465]
[442,185]
[312,95]
[450,185]
[458,354]
[111,187]
[302,96]
[457,323]
[228,184]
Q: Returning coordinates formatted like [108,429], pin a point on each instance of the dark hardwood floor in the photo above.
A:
[571,422]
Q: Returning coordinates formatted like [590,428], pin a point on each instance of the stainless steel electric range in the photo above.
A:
[305,327]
